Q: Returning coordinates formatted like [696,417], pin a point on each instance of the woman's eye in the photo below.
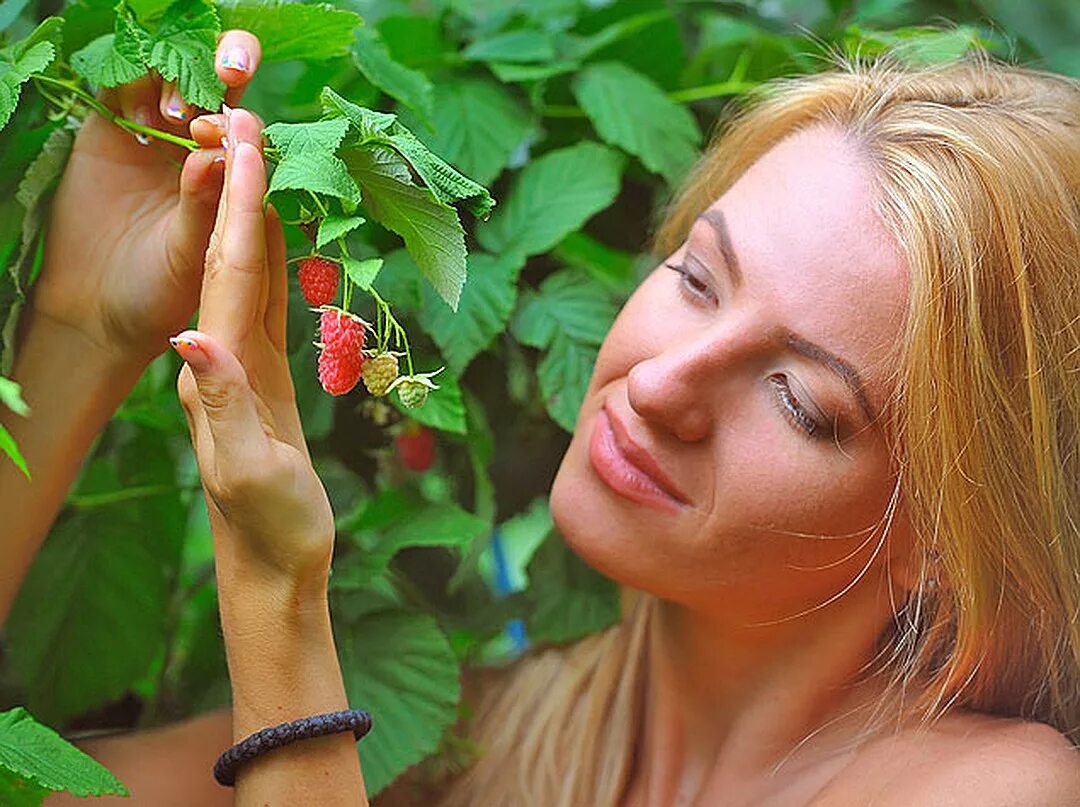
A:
[793,409]
[689,284]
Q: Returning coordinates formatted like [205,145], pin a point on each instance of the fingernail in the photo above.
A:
[143,118]
[219,159]
[176,108]
[227,110]
[190,351]
[225,143]
[236,59]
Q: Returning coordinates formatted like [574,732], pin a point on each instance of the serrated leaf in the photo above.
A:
[50,29]
[476,125]
[117,58]
[11,397]
[399,666]
[400,281]
[183,51]
[308,160]
[16,66]
[333,227]
[40,755]
[564,375]
[569,303]
[528,45]
[510,73]
[11,449]
[552,197]
[287,30]
[368,123]
[630,111]
[89,618]
[442,524]
[570,599]
[444,408]
[46,168]
[410,87]
[431,229]
[362,272]
[485,306]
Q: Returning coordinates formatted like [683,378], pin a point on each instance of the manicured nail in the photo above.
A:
[225,143]
[227,110]
[143,118]
[190,351]
[219,159]
[176,108]
[236,59]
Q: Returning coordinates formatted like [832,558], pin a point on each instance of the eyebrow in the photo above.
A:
[847,373]
[723,242]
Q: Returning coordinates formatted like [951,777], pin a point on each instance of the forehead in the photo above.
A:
[803,225]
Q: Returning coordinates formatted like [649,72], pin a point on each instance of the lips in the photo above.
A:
[628,468]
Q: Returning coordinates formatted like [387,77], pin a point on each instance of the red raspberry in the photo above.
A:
[416,447]
[341,360]
[318,280]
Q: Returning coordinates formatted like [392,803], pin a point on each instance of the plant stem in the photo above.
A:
[127,494]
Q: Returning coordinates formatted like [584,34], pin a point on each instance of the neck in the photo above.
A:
[725,707]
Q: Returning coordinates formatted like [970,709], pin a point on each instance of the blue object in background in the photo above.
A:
[515,629]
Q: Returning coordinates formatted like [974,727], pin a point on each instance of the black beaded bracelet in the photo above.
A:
[264,740]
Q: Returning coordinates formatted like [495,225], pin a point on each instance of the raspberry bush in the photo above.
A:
[382,138]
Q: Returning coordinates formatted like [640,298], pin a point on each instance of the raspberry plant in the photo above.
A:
[584,116]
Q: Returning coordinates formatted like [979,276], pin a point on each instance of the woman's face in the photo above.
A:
[750,371]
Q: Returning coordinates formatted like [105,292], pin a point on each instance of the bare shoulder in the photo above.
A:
[964,759]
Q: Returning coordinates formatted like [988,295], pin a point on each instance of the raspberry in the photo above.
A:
[380,372]
[342,359]
[318,280]
[412,393]
[416,446]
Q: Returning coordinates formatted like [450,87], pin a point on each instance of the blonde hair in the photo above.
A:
[977,167]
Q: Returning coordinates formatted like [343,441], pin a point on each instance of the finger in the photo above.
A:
[233,295]
[238,56]
[201,182]
[172,106]
[277,306]
[138,102]
[208,130]
[226,399]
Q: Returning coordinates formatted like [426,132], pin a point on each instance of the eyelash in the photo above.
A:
[690,285]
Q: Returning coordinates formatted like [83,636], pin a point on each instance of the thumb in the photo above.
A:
[223,397]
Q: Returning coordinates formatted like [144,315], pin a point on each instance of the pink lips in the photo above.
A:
[628,468]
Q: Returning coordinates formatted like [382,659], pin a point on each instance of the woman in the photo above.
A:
[829,445]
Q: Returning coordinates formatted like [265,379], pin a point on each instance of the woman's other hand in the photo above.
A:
[128,228]
[271,517]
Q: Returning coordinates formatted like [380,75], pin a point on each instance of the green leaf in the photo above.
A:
[612,267]
[308,160]
[11,397]
[362,273]
[289,30]
[633,113]
[520,537]
[564,375]
[444,408]
[16,66]
[9,447]
[410,87]
[46,168]
[476,125]
[554,196]
[400,281]
[367,123]
[485,306]
[333,227]
[443,524]
[38,754]
[569,303]
[569,599]
[431,229]
[18,792]
[116,58]
[89,618]
[513,46]
[399,666]
[183,51]
[509,73]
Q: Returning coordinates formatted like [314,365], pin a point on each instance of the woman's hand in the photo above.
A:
[128,230]
[271,517]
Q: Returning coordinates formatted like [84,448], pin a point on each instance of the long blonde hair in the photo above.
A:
[978,177]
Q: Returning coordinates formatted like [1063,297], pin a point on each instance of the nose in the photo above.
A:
[681,389]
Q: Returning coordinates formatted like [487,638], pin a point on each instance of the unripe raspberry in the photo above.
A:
[412,393]
[319,279]
[379,373]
